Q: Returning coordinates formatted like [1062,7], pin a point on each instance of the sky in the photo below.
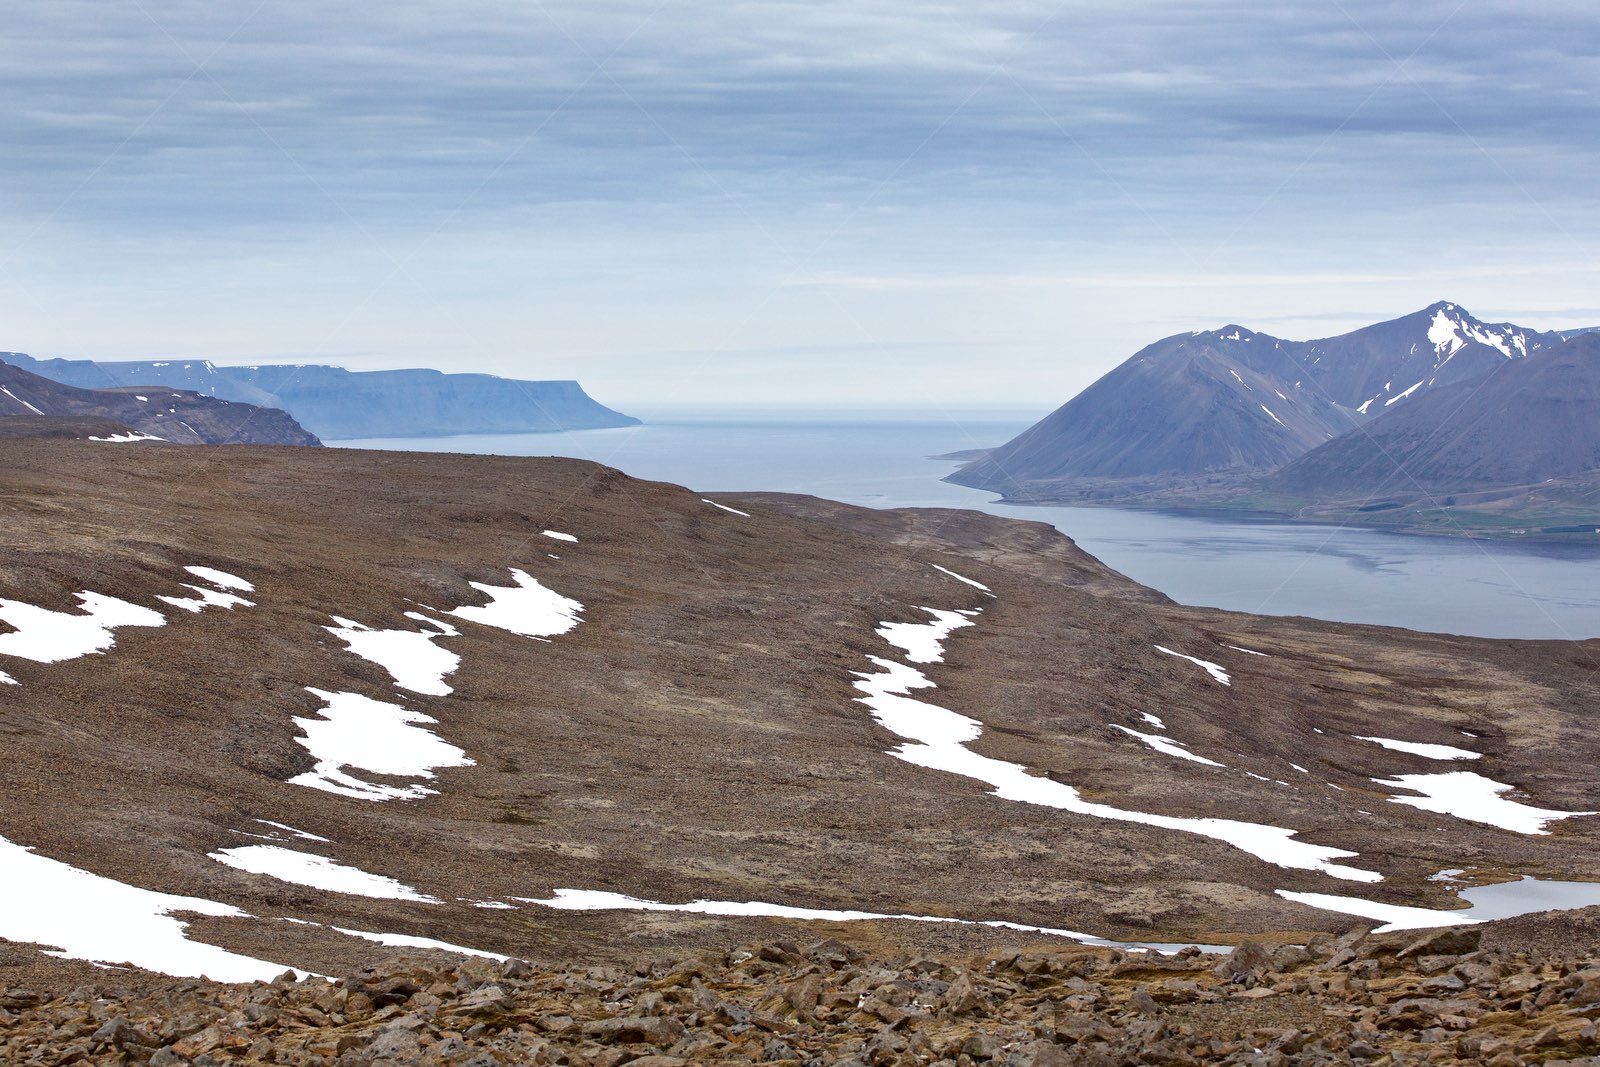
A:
[879,204]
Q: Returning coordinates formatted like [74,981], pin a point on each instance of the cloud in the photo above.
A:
[701,155]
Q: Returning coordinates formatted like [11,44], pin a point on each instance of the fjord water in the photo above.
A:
[1483,588]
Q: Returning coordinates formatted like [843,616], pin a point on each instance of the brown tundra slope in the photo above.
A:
[693,731]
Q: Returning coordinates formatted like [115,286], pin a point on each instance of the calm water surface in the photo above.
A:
[1489,589]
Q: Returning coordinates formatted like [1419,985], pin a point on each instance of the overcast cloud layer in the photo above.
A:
[717,202]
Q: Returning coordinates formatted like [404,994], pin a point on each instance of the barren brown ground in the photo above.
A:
[696,735]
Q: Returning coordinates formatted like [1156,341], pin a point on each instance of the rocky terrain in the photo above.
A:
[272,708]
[1439,998]
[35,406]
[336,403]
[1236,420]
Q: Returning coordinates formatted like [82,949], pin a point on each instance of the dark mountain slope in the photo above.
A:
[1527,421]
[178,417]
[337,403]
[1221,401]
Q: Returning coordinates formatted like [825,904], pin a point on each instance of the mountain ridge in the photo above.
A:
[337,403]
[1204,418]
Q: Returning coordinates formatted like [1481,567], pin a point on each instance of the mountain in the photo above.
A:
[178,417]
[1527,423]
[306,707]
[336,403]
[1226,405]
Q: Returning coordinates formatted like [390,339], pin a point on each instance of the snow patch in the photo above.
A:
[359,732]
[1402,396]
[127,438]
[1166,745]
[936,738]
[23,402]
[410,656]
[601,900]
[527,608]
[221,579]
[1272,416]
[923,642]
[87,917]
[46,636]
[961,578]
[1469,795]
[1418,748]
[206,598]
[409,941]
[724,507]
[559,536]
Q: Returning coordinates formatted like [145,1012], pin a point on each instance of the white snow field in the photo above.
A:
[724,507]
[923,642]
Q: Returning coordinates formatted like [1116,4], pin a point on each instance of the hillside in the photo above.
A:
[1209,411]
[121,414]
[314,700]
[336,403]
[1517,441]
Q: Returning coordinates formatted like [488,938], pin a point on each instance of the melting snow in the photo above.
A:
[724,507]
[127,438]
[1365,404]
[47,636]
[87,917]
[1248,651]
[923,642]
[1272,416]
[410,656]
[527,608]
[1167,745]
[356,731]
[1418,748]
[559,536]
[1212,669]
[1469,795]
[961,578]
[6,679]
[315,872]
[936,738]
[1236,377]
[1153,720]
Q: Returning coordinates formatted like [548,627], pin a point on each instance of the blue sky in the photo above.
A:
[898,204]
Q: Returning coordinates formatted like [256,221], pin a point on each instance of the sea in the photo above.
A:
[1483,588]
